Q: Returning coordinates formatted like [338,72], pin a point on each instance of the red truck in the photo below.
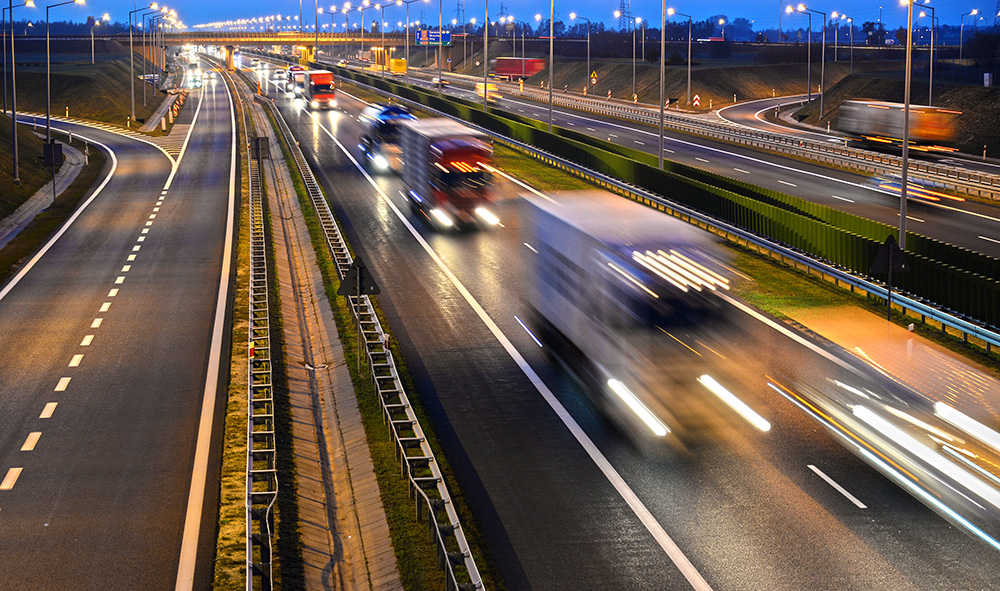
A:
[446,169]
[516,67]
[319,89]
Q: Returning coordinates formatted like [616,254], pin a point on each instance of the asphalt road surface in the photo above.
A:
[108,388]
[565,499]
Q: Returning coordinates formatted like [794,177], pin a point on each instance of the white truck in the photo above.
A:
[446,170]
[622,295]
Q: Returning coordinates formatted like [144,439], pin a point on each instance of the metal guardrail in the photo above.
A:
[261,461]
[926,310]
[957,179]
[417,461]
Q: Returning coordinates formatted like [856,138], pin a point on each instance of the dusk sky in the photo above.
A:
[764,14]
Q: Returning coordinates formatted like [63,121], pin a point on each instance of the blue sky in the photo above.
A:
[763,13]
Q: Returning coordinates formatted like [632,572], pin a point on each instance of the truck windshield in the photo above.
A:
[474,179]
[322,87]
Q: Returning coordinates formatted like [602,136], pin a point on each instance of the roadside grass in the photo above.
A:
[30,169]
[99,92]
[230,552]
[415,552]
[38,230]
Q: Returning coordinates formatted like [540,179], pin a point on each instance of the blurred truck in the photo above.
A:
[319,89]
[296,79]
[446,172]
[490,90]
[623,295]
[380,136]
[882,122]
[397,67]
[514,68]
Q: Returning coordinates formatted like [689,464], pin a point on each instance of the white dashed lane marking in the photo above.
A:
[701,160]
[75,361]
[96,323]
[113,292]
[126,268]
[119,280]
[62,385]
[10,478]
[31,441]
[788,183]
[741,170]
[105,307]
[48,410]
[843,199]
[87,340]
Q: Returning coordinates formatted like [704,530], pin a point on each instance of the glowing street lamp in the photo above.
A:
[574,16]
[961,30]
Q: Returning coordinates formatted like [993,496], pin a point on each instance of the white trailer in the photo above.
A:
[618,290]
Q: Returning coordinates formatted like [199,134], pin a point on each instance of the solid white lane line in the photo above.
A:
[701,159]
[50,407]
[126,268]
[199,473]
[843,199]
[837,487]
[62,384]
[10,478]
[96,323]
[31,441]
[75,361]
[105,307]
[119,280]
[788,183]
[62,230]
[743,171]
[665,542]
[990,239]
[113,292]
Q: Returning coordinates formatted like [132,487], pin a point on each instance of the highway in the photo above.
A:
[112,344]
[565,500]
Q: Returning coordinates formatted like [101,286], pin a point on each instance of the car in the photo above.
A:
[211,74]
[278,74]
[435,80]
[342,63]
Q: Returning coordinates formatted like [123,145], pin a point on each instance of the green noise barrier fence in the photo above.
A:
[954,278]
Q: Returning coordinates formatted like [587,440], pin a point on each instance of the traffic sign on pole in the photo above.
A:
[696,100]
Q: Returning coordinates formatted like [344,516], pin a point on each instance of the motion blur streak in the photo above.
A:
[928,455]
[654,424]
[968,424]
[738,405]
[924,495]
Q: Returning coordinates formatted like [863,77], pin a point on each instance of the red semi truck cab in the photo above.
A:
[446,168]
[319,89]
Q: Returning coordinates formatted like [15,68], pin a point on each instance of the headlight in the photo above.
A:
[313,104]
[442,218]
[380,162]
[488,217]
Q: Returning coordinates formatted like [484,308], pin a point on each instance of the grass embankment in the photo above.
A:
[32,236]
[230,551]
[978,126]
[32,173]
[99,92]
[415,553]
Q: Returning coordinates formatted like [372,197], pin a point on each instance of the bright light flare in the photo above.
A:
[487,217]
[968,424]
[655,425]
[442,218]
[928,455]
[735,403]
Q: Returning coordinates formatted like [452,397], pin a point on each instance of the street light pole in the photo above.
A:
[572,16]
[131,54]
[672,12]
[809,83]
[906,124]
[48,70]
[663,48]
[930,85]
[486,52]
[13,86]
[822,66]
[961,31]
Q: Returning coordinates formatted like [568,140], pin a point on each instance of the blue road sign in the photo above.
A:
[433,37]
